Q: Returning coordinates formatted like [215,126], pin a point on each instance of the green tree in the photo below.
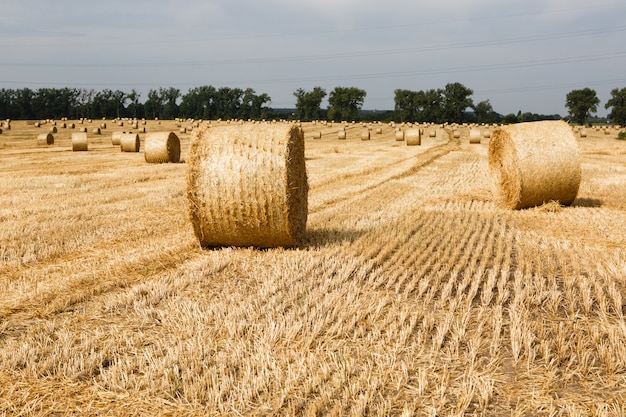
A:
[405,105]
[456,99]
[618,104]
[430,103]
[344,103]
[308,104]
[485,113]
[581,103]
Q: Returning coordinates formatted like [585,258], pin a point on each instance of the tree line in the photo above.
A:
[453,103]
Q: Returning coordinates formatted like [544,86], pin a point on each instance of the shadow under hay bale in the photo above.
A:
[534,163]
[247,185]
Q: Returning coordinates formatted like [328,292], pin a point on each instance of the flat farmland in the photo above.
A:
[413,293]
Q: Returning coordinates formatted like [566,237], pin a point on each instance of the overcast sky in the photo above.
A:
[520,55]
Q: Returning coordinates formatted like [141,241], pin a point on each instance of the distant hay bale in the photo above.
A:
[456,134]
[534,163]
[44,139]
[379,130]
[247,185]
[583,133]
[183,130]
[63,125]
[53,129]
[37,124]
[474,136]
[96,131]
[341,135]
[486,133]
[129,142]
[399,135]
[413,137]
[317,135]
[161,147]
[365,135]
[79,141]
[116,138]
[103,125]
[82,129]
[432,133]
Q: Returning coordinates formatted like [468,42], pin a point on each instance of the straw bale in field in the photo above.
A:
[115,138]
[432,133]
[399,135]
[341,134]
[317,135]
[79,141]
[45,139]
[456,134]
[474,136]
[53,129]
[96,131]
[413,137]
[583,133]
[161,147]
[247,185]
[129,142]
[365,135]
[534,163]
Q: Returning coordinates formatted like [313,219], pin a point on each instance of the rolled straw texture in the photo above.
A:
[129,142]
[247,185]
[413,137]
[79,141]
[115,138]
[534,163]
[160,147]
[341,135]
[45,139]
[399,135]
[474,136]
[365,135]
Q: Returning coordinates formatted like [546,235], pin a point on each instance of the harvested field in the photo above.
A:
[413,293]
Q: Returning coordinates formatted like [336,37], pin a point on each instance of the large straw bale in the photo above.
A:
[161,147]
[365,135]
[534,163]
[45,139]
[79,141]
[413,137]
[129,142]
[399,135]
[115,138]
[341,134]
[247,185]
[474,136]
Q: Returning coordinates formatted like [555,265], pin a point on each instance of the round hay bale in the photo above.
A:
[44,139]
[247,185]
[413,137]
[341,135]
[103,125]
[456,134]
[583,133]
[474,136]
[379,130]
[534,163]
[115,138]
[399,135]
[53,129]
[317,135]
[486,133]
[63,125]
[0,131]
[120,123]
[160,147]
[82,129]
[183,130]
[365,135]
[96,131]
[432,133]
[129,142]
[37,124]
[79,141]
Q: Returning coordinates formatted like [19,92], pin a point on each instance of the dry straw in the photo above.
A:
[45,139]
[432,133]
[79,141]
[96,131]
[129,142]
[534,163]
[365,135]
[413,137]
[341,135]
[474,136]
[399,135]
[115,138]
[160,147]
[247,185]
